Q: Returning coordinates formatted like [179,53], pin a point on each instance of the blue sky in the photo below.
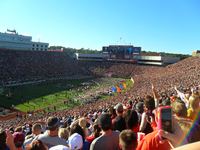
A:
[155,25]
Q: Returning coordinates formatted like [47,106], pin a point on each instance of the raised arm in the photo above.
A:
[182,96]
[10,141]
[156,96]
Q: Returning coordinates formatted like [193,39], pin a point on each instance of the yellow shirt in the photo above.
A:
[191,114]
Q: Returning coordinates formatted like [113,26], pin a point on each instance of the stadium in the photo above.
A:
[38,84]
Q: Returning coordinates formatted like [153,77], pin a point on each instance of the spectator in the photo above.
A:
[131,119]
[37,145]
[109,139]
[95,134]
[194,106]
[119,121]
[139,109]
[128,140]
[147,116]
[182,133]
[19,139]
[36,130]
[3,145]
[83,123]
[76,141]
[179,108]
[63,133]
[76,128]
[50,137]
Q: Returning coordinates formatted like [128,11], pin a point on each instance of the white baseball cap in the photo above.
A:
[75,141]
[59,147]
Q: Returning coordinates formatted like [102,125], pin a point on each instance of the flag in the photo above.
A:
[118,89]
[114,89]
[121,86]
[132,80]
[124,84]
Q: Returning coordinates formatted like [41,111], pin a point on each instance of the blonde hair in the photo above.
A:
[194,101]
[63,133]
[82,122]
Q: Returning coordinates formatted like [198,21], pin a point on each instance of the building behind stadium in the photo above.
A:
[127,54]
[11,40]
[196,53]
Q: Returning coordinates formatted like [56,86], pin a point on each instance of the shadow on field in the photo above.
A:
[20,94]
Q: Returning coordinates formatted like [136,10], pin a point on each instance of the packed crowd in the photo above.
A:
[127,121]
[125,125]
[21,66]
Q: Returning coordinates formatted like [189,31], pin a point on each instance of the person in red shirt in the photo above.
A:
[96,133]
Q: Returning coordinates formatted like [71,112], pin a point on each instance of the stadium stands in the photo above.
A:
[183,75]
[30,66]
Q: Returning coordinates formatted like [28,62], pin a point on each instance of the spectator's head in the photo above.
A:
[105,122]
[75,128]
[63,133]
[149,103]
[131,119]
[37,145]
[53,123]
[37,129]
[112,112]
[139,107]
[2,139]
[194,101]
[82,122]
[179,109]
[119,108]
[127,140]
[96,130]
[166,102]
[18,129]
[75,141]
[19,139]
[130,104]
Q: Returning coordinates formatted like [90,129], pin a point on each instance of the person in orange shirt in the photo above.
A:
[152,142]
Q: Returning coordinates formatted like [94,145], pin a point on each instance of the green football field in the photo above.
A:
[55,95]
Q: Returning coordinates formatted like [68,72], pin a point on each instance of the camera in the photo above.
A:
[165,118]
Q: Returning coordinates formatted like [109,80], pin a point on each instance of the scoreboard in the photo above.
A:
[121,51]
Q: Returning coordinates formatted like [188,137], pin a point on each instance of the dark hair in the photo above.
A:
[2,139]
[166,102]
[53,123]
[131,119]
[97,130]
[76,128]
[37,145]
[105,122]
[149,103]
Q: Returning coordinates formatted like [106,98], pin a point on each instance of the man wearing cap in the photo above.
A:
[119,121]
[50,137]
[109,140]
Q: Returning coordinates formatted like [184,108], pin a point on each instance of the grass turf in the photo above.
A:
[50,95]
